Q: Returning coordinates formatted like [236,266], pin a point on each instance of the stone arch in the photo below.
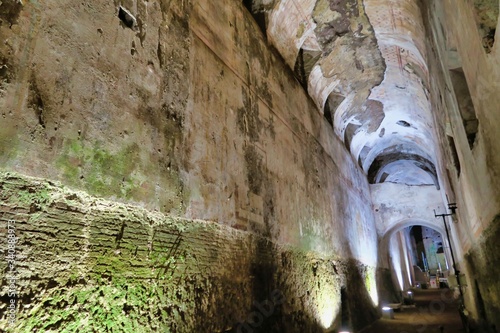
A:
[381,161]
[409,222]
[384,243]
[384,258]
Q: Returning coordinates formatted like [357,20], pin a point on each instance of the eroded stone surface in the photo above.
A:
[85,264]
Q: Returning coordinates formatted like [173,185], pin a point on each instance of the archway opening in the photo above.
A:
[417,256]
[430,263]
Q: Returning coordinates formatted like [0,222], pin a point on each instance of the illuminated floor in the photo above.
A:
[435,312]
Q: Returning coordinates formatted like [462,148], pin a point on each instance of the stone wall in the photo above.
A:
[184,110]
[188,112]
[85,264]
[471,163]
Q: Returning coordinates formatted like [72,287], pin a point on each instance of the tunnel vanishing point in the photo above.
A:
[246,166]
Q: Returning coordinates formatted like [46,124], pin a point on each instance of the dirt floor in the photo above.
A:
[435,311]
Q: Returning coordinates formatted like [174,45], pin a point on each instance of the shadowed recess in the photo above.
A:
[406,168]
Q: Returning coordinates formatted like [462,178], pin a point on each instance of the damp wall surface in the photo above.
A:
[181,110]
[470,162]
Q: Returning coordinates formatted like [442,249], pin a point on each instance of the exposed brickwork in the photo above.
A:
[88,264]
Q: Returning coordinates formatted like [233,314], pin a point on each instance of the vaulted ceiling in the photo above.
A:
[364,65]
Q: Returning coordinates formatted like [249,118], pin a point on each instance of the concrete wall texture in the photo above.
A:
[165,167]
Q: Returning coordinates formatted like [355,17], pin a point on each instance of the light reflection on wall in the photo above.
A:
[371,284]
[407,261]
[328,305]
[394,251]
[362,234]
[367,252]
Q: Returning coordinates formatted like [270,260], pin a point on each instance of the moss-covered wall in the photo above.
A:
[85,264]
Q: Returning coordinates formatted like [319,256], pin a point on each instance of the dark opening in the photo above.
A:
[126,17]
[299,69]
[403,123]
[416,233]
[332,103]
[248,4]
[258,14]
[306,59]
[390,155]
[344,312]
[260,18]
[328,115]
[464,101]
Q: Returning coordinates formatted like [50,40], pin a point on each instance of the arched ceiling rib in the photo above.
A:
[363,63]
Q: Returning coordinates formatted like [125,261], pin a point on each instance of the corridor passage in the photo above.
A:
[435,312]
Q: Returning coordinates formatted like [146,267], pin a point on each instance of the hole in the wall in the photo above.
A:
[328,114]
[126,17]
[403,123]
[248,4]
[465,105]
[37,104]
[258,12]
[3,72]
[419,169]
[10,11]
[260,18]
[39,111]
[486,15]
